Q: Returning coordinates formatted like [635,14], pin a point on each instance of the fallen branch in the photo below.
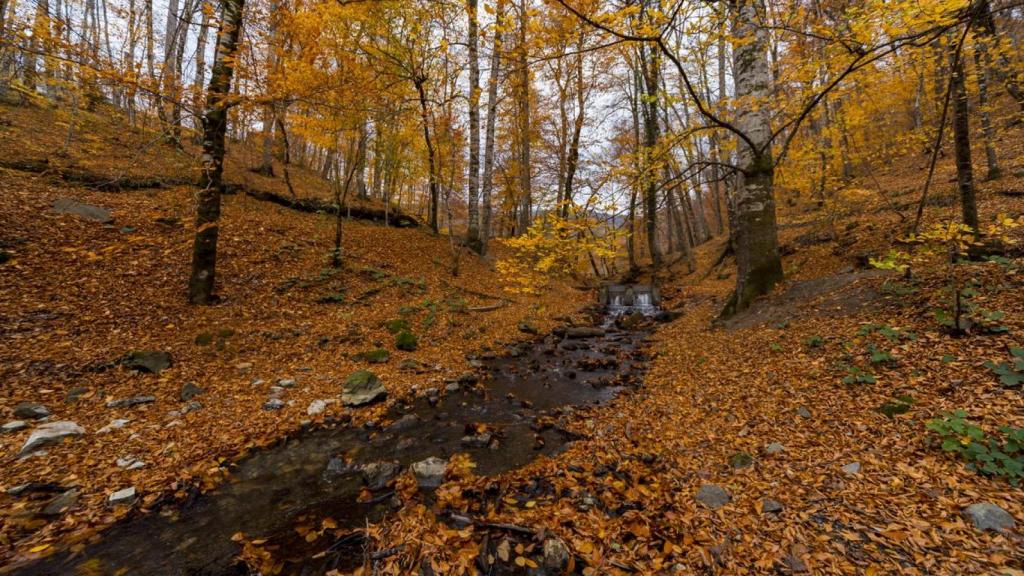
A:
[487,308]
[89,179]
[313,205]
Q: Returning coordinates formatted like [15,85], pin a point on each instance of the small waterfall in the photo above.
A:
[621,300]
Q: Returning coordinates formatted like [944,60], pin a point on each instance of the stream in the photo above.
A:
[517,397]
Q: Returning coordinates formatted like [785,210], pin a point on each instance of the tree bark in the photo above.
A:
[419,82]
[472,205]
[525,179]
[649,70]
[962,143]
[759,266]
[215,119]
[492,109]
[982,64]
[573,159]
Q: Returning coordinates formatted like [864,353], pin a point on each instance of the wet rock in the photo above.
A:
[468,379]
[769,506]
[377,475]
[124,496]
[404,423]
[361,388]
[851,468]
[452,387]
[151,361]
[630,321]
[273,404]
[13,426]
[49,434]
[82,210]
[131,401]
[774,448]
[481,440]
[114,425]
[577,332]
[189,391]
[555,555]
[987,516]
[429,473]
[527,328]
[30,411]
[713,496]
[61,504]
[803,412]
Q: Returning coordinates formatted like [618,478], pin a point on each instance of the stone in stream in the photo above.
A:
[30,411]
[578,332]
[61,504]
[14,426]
[377,475]
[429,473]
[713,496]
[82,210]
[361,388]
[404,423]
[151,361]
[50,433]
[987,516]
[123,496]
[527,328]
[131,401]
[189,391]
[481,440]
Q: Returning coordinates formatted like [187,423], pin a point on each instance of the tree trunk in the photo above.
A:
[204,248]
[200,77]
[982,64]
[431,159]
[525,180]
[649,66]
[472,206]
[1005,71]
[573,160]
[492,108]
[962,142]
[759,267]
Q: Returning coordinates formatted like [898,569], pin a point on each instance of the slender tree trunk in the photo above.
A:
[982,64]
[168,70]
[650,68]
[757,251]
[1004,70]
[431,156]
[204,249]
[573,160]
[525,179]
[962,143]
[492,108]
[472,205]
[200,77]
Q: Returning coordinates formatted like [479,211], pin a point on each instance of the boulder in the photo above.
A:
[404,423]
[189,391]
[13,426]
[429,473]
[50,433]
[713,496]
[30,411]
[151,361]
[987,516]
[82,210]
[377,475]
[362,387]
[406,340]
[741,460]
[61,504]
[375,356]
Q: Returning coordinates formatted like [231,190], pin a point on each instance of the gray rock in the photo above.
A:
[361,388]
[452,387]
[130,463]
[851,468]
[131,401]
[273,404]
[404,423]
[803,412]
[713,496]
[988,516]
[316,407]
[429,473]
[378,474]
[114,425]
[556,555]
[774,448]
[30,411]
[286,382]
[14,426]
[769,506]
[50,433]
[576,332]
[82,210]
[477,440]
[527,328]
[123,496]
[276,391]
[61,504]
[189,391]
[192,406]
[151,361]
[75,394]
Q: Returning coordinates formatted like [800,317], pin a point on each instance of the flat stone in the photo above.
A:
[769,506]
[987,516]
[378,474]
[429,473]
[713,496]
[130,463]
[123,496]
[189,391]
[14,426]
[273,404]
[803,412]
[131,401]
[316,407]
[404,423]
[477,440]
[243,367]
[82,210]
[851,468]
[61,504]
[114,425]
[31,411]
[576,332]
[452,387]
[151,361]
[49,434]
[774,448]
[75,394]
[286,382]
[362,387]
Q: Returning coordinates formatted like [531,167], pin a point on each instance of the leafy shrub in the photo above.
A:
[858,375]
[814,341]
[1003,458]
[879,355]
[898,405]
[1009,375]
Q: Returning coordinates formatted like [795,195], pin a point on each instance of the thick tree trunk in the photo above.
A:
[204,248]
[472,206]
[759,267]
[649,67]
[492,109]
[962,143]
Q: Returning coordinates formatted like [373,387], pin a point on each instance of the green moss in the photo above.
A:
[405,340]
[397,325]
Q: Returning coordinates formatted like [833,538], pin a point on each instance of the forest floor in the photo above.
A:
[767,406]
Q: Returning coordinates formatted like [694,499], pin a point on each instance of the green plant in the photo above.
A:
[775,347]
[1003,458]
[898,405]
[858,375]
[332,298]
[879,355]
[397,325]
[891,334]
[406,340]
[894,260]
[1009,375]
[814,341]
